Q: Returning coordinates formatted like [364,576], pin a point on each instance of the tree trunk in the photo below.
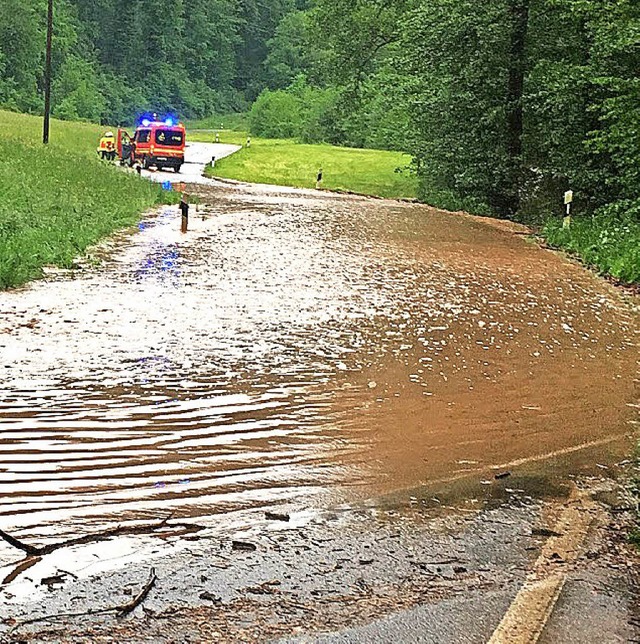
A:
[519,13]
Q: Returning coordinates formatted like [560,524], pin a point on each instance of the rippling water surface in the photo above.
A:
[295,351]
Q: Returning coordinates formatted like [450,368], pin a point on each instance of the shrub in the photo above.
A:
[276,115]
[609,241]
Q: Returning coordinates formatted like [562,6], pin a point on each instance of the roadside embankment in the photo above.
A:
[58,200]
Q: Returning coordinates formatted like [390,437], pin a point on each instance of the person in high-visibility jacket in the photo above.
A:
[107,147]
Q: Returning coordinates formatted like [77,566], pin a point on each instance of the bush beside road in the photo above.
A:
[609,243]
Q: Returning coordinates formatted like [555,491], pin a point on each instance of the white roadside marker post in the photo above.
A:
[568,200]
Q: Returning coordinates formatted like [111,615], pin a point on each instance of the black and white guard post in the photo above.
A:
[568,201]
[184,209]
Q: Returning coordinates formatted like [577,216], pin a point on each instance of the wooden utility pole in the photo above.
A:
[47,75]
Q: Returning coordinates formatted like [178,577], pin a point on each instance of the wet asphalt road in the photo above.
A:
[303,349]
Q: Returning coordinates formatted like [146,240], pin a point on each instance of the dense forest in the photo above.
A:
[503,104]
[113,58]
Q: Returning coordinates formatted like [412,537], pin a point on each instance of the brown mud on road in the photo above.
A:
[298,351]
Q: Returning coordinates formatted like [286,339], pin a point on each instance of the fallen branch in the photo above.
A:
[118,531]
[32,551]
[129,607]
[121,609]
[23,566]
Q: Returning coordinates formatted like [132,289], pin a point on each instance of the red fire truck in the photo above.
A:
[155,143]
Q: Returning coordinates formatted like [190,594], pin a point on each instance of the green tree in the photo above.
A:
[211,33]
[20,60]
[276,114]
[614,68]
[257,23]
[456,55]
[78,90]
[292,51]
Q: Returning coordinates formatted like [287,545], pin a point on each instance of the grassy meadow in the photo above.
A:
[57,200]
[287,163]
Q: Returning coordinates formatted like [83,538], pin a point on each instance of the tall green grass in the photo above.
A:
[57,200]
[609,243]
[285,162]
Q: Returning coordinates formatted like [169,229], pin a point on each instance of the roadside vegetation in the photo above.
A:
[57,200]
[609,243]
[286,162]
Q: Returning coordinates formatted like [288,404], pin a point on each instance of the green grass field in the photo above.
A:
[228,137]
[57,200]
[610,245]
[287,163]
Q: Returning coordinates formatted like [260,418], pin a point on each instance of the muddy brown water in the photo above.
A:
[298,350]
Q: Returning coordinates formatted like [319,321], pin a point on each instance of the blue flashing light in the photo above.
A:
[148,119]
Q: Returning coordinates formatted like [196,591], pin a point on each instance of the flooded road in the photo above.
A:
[297,350]
[197,156]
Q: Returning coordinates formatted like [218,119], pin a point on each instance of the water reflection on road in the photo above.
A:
[299,349]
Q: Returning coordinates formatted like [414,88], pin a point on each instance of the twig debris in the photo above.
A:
[35,551]
[121,610]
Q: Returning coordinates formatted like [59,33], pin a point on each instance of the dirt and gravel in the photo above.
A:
[416,391]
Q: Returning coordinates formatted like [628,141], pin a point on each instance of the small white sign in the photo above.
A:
[568,197]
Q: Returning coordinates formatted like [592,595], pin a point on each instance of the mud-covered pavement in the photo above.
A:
[365,367]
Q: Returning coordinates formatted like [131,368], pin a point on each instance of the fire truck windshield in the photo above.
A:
[169,137]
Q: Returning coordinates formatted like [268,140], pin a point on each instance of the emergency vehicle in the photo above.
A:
[155,143]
